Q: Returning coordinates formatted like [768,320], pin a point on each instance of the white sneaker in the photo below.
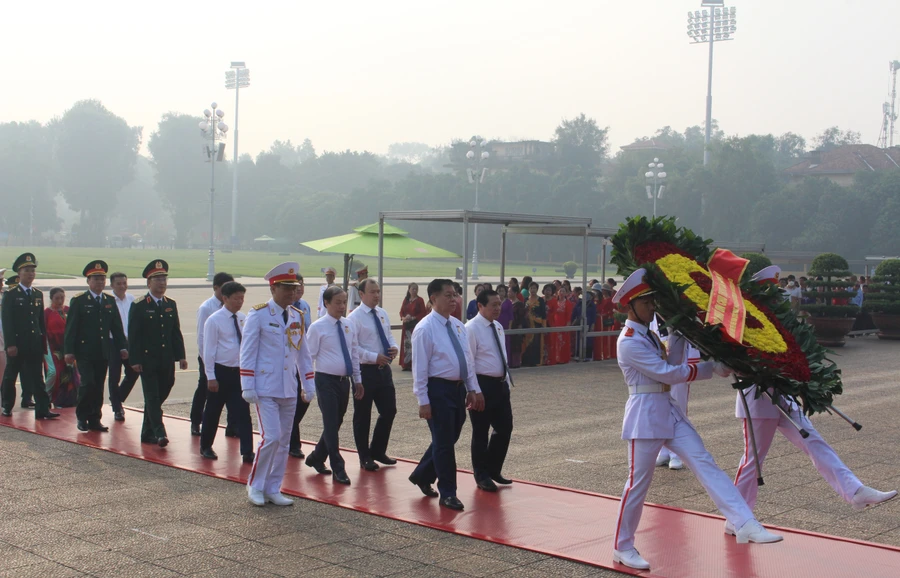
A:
[279,499]
[866,496]
[729,528]
[256,497]
[675,463]
[662,459]
[753,531]
[630,558]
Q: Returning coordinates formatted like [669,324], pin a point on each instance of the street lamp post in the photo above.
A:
[213,129]
[656,179]
[237,78]
[476,175]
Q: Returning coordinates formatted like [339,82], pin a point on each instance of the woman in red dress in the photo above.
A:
[61,380]
[559,312]
[411,312]
[605,345]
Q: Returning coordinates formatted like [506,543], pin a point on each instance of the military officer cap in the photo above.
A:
[155,268]
[361,269]
[12,281]
[331,270]
[284,274]
[768,274]
[633,288]
[24,260]
[95,268]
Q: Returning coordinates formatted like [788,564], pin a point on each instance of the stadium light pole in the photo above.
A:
[656,179]
[476,175]
[236,78]
[213,129]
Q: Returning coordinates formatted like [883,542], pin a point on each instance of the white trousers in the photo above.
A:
[642,462]
[680,394]
[823,456]
[276,417]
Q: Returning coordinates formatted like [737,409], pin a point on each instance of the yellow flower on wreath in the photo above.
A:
[678,269]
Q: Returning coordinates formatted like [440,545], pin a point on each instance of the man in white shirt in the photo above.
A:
[273,338]
[487,344]
[333,346]
[206,309]
[119,391]
[377,348]
[222,336]
[353,299]
[329,281]
[445,385]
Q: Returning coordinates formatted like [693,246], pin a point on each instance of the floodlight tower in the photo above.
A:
[476,175]
[656,179]
[237,78]
[214,129]
[895,66]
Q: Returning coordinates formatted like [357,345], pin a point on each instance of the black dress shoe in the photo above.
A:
[425,488]
[208,453]
[487,485]
[150,440]
[453,503]
[501,480]
[27,404]
[6,412]
[162,442]
[97,426]
[195,429]
[296,453]
[385,460]
[120,415]
[248,458]
[46,415]
[341,478]
[82,426]
[231,432]
[369,466]
[318,466]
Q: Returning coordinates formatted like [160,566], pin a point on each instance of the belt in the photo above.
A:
[651,388]
[450,381]
[332,375]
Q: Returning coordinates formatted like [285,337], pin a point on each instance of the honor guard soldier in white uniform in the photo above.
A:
[766,419]
[329,281]
[273,351]
[353,299]
[653,420]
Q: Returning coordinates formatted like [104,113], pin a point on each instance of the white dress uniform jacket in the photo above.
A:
[272,353]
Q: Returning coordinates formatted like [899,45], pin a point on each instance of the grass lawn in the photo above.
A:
[70,261]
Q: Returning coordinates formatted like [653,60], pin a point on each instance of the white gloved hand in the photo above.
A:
[721,369]
[250,396]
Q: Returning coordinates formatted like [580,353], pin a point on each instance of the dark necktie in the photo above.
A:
[97,299]
[237,327]
[347,364]
[457,347]
[495,333]
[284,315]
[381,335]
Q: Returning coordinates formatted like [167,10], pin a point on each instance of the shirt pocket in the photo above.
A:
[264,369]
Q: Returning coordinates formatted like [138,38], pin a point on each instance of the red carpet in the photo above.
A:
[556,521]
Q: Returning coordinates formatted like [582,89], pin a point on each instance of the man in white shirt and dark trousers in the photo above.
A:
[377,348]
[333,347]
[118,392]
[273,351]
[206,309]
[487,344]
[445,385]
[222,336]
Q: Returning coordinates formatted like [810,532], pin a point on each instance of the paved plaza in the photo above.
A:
[69,510]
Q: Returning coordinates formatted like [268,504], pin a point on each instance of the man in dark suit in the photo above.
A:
[25,339]
[93,315]
[156,344]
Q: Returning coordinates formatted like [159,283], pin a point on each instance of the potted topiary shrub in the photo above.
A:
[570,267]
[757,263]
[831,315]
[883,299]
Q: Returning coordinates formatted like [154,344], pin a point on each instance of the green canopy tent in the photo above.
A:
[364,241]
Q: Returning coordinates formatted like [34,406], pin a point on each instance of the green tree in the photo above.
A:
[834,137]
[94,156]
[24,184]
[580,141]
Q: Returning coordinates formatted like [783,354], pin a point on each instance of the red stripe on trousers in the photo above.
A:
[262,436]
[746,455]
[625,497]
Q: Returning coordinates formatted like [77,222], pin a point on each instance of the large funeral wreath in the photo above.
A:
[776,349]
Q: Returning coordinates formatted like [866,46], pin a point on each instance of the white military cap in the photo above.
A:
[284,274]
[632,288]
[769,274]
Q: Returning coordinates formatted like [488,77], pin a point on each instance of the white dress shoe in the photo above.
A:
[630,558]
[729,528]
[256,497]
[753,531]
[279,499]
[662,459]
[675,463]
[866,496]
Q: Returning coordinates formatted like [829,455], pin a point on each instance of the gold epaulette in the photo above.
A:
[260,306]
[167,298]
[300,311]
[78,294]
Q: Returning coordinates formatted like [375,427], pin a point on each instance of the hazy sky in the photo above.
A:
[364,74]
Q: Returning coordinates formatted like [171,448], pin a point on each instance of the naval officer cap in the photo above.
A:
[633,288]
[156,268]
[331,270]
[284,274]
[97,267]
[768,274]
[12,281]
[24,260]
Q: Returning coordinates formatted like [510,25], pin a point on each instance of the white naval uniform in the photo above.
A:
[654,420]
[679,351]
[272,353]
[766,420]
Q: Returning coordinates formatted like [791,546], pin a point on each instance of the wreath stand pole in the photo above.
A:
[759,477]
[803,433]
[847,418]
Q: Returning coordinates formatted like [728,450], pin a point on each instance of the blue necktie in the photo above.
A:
[463,368]
[347,364]
[381,335]
[237,327]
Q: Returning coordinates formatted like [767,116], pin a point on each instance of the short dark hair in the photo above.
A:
[533,284]
[551,287]
[477,285]
[437,285]
[221,278]
[56,290]
[365,283]
[526,281]
[300,277]
[232,287]
[487,285]
[116,275]
[331,292]
[456,287]
[484,296]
